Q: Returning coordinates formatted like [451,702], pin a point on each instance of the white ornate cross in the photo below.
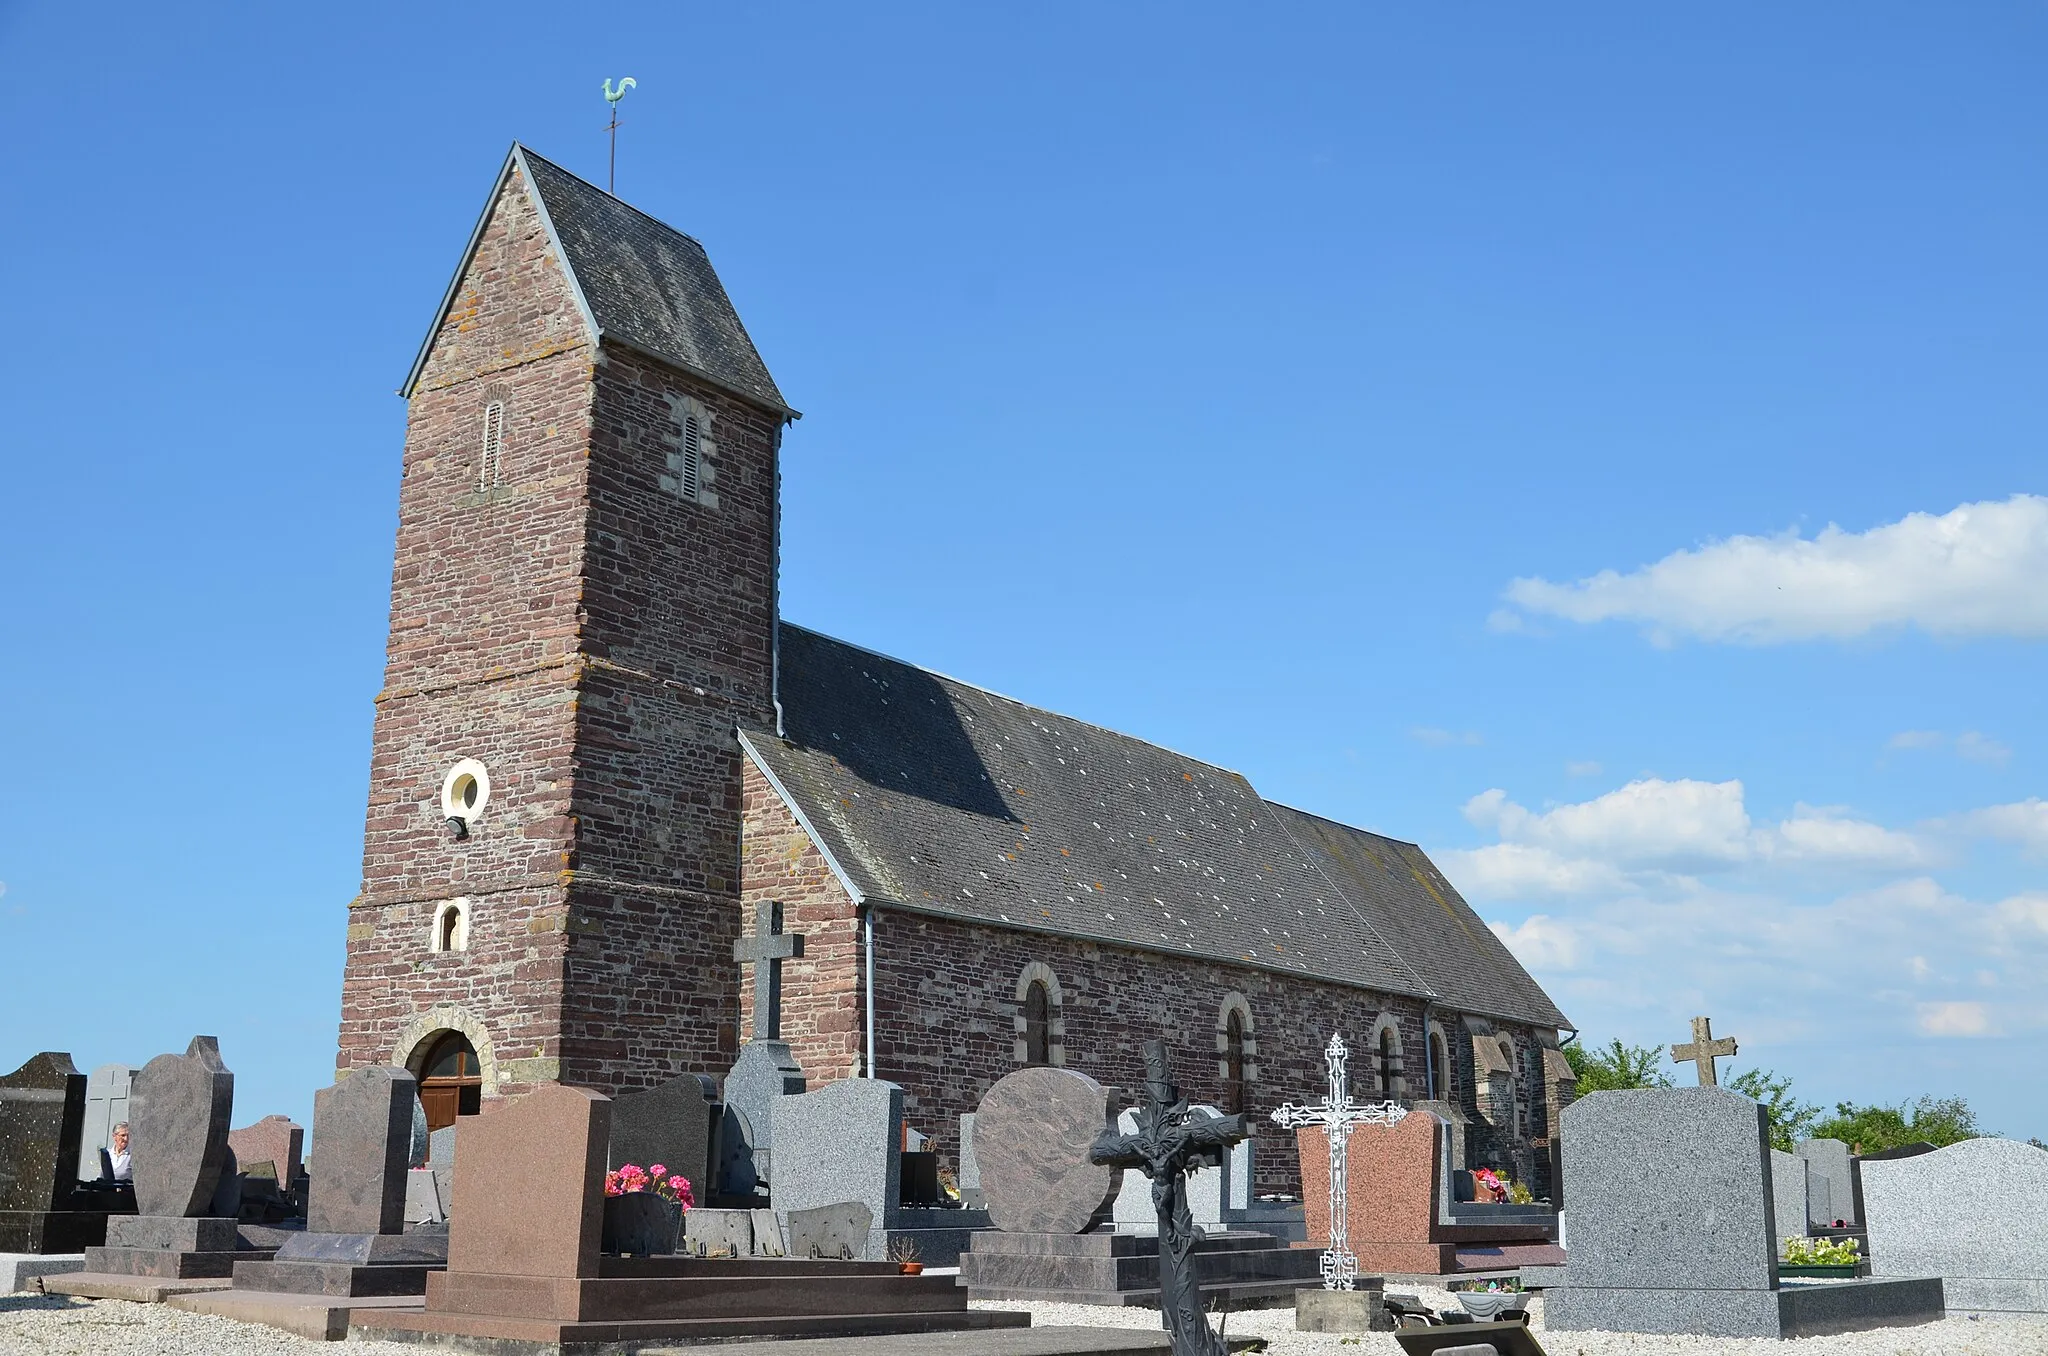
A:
[1337,1113]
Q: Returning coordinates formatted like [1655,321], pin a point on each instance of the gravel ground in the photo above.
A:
[1950,1337]
[56,1326]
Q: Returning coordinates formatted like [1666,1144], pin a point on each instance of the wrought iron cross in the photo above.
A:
[1336,1114]
[1703,1050]
[765,951]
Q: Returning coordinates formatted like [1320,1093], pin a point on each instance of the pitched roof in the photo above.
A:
[638,281]
[935,796]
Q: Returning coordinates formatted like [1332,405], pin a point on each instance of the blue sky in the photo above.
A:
[1437,415]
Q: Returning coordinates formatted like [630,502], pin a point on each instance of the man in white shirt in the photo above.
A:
[124,1170]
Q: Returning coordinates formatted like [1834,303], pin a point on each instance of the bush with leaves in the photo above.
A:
[1791,1120]
[1616,1067]
[1938,1121]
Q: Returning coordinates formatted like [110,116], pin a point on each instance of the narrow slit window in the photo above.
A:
[493,463]
[693,454]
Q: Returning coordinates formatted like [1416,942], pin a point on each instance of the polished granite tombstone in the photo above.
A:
[42,1114]
[765,1072]
[355,1242]
[525,1275]
[1791,1197]
[184,1172]
[1672,1228]
[1400,1212]
[277,1140]
[1051,1210]
[674,1124]
[1971,1214]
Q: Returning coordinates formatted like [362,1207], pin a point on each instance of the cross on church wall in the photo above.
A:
[1703,1050]
[765,950]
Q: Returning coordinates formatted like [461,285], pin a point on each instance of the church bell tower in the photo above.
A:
[583,612]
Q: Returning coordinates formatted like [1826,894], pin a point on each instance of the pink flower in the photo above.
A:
[611,1184]
[657,1170]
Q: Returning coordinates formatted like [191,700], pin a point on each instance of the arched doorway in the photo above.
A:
[451,1080]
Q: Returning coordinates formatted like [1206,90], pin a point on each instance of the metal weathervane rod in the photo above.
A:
[612,178]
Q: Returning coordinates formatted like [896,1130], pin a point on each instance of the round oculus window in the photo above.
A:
[465,790]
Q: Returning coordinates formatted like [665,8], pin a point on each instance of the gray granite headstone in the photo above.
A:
[441,1160]
[765,1072]
[42,1114]
[1134,1212]
[362,1144]
[1031,1136]
[838,1232]
[840,1144]
[417,1146]
[1671,1215]
[712,1231]
[179,1107]
[1829,1158]
[1971,1214]
[423,1201]
[1820,1200]
[674,1125]
[1789,1203]
[106,1106]
[968,1179]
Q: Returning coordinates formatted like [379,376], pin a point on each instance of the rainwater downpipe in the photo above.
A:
[868,1064]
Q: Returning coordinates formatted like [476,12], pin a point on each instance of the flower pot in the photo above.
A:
[911,1268]
[641,1223]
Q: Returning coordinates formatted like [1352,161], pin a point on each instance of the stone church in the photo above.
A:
[599,749]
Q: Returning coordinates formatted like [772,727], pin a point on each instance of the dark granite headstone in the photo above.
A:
[421,1140]
[837,1232]
[42,1113]
[674,1125]
[1032,1134]
[178,1130]
[920,1179]
[362,1143]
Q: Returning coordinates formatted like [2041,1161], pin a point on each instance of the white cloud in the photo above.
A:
[1974,745]
[2024,822]
[1541,942]
[1823,835]
[1974,571]
[1585,769]
[1438,739]
[1648,823]
[1953,1019]
[1518,871]
[1978,748]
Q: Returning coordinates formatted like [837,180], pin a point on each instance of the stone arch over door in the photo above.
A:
[419,1036]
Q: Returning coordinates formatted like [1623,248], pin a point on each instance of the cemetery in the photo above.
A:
[714,982]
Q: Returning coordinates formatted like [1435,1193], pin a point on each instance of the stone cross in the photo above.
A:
[1170,1141]
[765,951]
[1703,1050]
[1337,1113]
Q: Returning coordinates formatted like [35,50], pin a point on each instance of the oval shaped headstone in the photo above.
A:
[178,1129]
[1031,1138]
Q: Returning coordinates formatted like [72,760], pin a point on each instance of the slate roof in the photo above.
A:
[641,283]
[936,796]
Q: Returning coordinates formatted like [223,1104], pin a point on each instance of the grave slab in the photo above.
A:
[19,1269]
[1971,1214]
[135,1289]
[318,1318]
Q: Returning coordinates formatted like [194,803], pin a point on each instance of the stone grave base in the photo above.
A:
[1360,1310]
[320,1318]
[935,1247]
[1241,1269]
[19,1269]
[1796,1309]
[662,1299]
[138,1289]
[46,1231]
[1454,1259]
[342,1280]
[1984,1294]
[176,1249]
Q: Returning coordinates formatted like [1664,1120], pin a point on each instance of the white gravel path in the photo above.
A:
[1950,1337]
[55,1326]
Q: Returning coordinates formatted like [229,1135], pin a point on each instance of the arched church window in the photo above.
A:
[1037,1024]
[1389,1063]
[1235,1092]
[451,1081]
[492,462]
[450,916]
[691,471]
[1439,1067]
